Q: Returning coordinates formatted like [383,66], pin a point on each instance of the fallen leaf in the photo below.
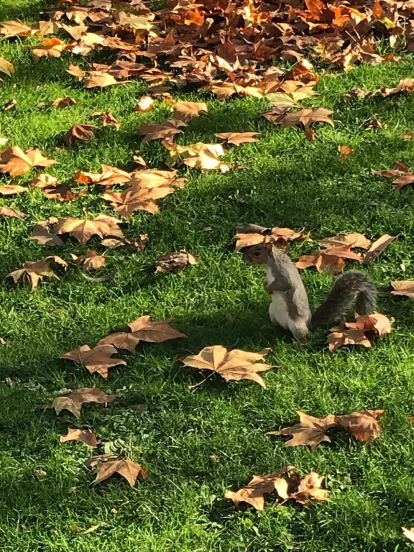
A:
[44,181]
[97,359]
[403,174]
[403,287]
[174,261]
[10,104]
[76,71]
[203,156]
[231,365]
[84,229]
[363,425]
[108,177]
[376,321]
[107,119]
[138,244]
[165,131]
[310,431]
[352,240]
[100,79]
[238,138]
[51,47]
[90,530]
[345,152]
[74,400]
[330,260]
[14,28]
[84,435]
[378,247]
[90,261]
[62,193]
[33,272]
[9,212]
[41,234]
[304,117]
[145,104]
[6,67]
[11,190]
[17,162]
[60,103]
[343,336]
[254,235]
[81,132]
[361,332]
[126,468]
[185,111]
[309,489]
[409,533]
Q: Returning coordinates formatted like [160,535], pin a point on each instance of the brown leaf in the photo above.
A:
[76,71]
[378,247]
[33,272]
[107,119]
[6,67]
[342,336]
[225,90]
[9,105]
[309,489]
[108,177]
[74,400]
[408,533]
[51,47]
[345,152]
[14,28]
[11,190]
[310,431]
[403,287]
[17,162]
[100,79]
[377,322]
[304,117]
[41,234]
[185,111]
[238,138]
[60,103]
[203,156]
[156,331]
[9,212]
[275,235]
[405,176]
[62,193]
[44,181]
[165,131]
[84,229]
[363,425]
[231,365]
[330,260]
[84,435]
[97,359]
[90,261]
[174,261]
[352,240]
[81,132]
[126,468]
[121,340]
[145,104]
[362,332]
[138,244]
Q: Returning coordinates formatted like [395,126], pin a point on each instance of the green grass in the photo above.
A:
[286,181]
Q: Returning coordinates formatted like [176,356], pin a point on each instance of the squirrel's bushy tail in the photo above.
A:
[351,290]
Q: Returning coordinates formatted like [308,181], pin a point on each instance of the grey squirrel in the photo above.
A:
[290,306]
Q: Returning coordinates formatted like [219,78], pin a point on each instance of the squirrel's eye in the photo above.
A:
[256,253]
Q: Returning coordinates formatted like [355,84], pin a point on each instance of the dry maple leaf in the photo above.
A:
[342,336]
[231,365]
[165,131]
[330,260]
[409,533]
[12,190]
[304,117]
[33,272]
[174,261]
[84,435]
[9,105]
[185,111]
[74,400]
[41,234]
[6,67]
[254,235]
[378,247]
[363,425]
[403,174]
[76,71]
[108,177]
[44,181]
[310,431]
[225,90]
[97,359]
[60,103]
[90,261]
[107,119]
[344,152]
[128,469]
[238,138]
[62,193]
[138,244]
[203,156]
[14,28]
[362,332]
[84,229]
[377,322]
[403,287]
[9,212]
[145,104]
[352,240]
[51,47]
[100,79]
[309,489]
[17,162]
[80,132]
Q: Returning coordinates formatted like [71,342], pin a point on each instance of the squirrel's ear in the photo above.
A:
[269,247]
[254,229]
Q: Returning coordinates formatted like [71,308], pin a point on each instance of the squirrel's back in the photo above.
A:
[351,290]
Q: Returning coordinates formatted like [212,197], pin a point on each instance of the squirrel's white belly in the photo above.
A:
[278,311]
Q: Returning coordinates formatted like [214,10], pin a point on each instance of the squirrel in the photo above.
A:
[290,306]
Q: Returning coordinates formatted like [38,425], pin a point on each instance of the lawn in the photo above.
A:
[197,444]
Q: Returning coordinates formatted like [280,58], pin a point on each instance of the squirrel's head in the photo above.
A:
[257,254]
